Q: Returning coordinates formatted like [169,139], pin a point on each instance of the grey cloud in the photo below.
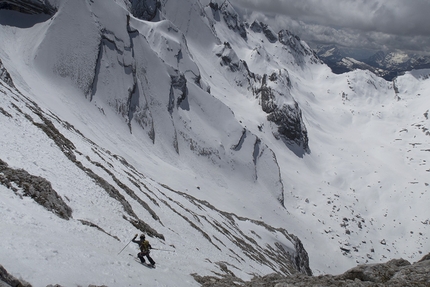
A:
[371,24]
[388,16]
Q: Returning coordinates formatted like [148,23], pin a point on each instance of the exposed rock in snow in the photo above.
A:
[24,184]
[230,17]
[179,83]
[290,125]
[259,27]
[5,77]
[7,280]
[256,27]
[85,222]
[28,6]
[297,47]
[144,9]
[288,118]
[394,273]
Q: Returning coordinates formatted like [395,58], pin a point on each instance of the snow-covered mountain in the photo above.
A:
[386,65]
[398,62]
[231,145]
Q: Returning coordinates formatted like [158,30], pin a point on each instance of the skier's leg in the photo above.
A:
[150,259]
[140,255]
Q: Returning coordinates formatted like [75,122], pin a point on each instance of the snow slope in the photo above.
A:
[193,235]
[218,138]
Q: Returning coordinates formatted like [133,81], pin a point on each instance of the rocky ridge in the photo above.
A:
[394,273]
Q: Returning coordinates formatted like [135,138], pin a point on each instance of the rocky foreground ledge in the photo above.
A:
[394,273]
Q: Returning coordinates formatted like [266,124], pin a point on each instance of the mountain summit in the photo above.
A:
[229,144]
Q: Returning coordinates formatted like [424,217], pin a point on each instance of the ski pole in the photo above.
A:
[125,246]
[163,250]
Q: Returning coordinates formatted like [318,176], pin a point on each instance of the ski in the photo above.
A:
[144,264]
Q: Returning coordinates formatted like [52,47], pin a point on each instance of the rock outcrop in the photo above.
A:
[259,27]
[394,273]
[297,47]
[145,10]
[28,6]
[5,76]
[288,118]
[35,187]
[7,280]
[230,16]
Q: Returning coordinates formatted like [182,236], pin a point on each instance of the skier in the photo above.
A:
[144,249]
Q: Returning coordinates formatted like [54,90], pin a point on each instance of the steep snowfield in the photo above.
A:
[43,248]
[169,114]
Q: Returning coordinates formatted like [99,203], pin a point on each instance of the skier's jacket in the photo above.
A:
[143,245]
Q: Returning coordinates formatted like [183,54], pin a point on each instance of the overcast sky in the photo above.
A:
[372,24]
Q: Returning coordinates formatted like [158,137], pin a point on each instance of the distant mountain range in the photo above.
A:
[386,65]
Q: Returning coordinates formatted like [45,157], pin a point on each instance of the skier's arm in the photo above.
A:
[134,239]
